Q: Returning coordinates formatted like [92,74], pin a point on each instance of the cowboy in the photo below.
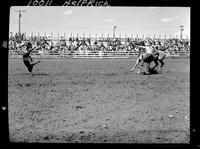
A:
[28,61]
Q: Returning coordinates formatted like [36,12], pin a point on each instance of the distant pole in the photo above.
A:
[181,30]
[20,15]
[114,28]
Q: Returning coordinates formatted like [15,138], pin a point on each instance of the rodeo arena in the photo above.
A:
[98,89]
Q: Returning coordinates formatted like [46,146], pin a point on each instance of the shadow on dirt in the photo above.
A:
[151,72]
[34,74]
[40,74]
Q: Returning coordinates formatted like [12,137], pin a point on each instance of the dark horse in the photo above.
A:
[147,58]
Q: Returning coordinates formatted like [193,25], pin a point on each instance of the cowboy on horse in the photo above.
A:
[147,54]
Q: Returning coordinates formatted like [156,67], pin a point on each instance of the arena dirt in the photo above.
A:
[98,101]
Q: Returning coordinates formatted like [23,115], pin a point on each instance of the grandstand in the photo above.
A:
[94,47]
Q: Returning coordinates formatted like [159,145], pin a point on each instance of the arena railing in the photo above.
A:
[91,54]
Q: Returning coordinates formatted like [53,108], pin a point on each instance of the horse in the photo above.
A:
[157,57]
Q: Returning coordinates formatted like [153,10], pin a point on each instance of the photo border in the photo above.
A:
[5,9]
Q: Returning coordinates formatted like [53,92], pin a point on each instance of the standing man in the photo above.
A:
[28,61]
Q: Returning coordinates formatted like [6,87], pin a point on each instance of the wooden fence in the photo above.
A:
[91,54]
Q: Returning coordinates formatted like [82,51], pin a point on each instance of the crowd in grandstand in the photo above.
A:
[47,44]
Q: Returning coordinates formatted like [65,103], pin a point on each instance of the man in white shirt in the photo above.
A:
[148,55]
[149,50]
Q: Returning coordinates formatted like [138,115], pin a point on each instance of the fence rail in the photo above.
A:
[92,54]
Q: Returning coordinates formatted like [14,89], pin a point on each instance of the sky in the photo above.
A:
[100,21]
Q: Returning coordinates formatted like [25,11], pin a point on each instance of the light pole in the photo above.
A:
[181,30]
[114,31]
[20,19]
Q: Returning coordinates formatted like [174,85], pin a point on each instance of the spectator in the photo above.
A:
[107,44]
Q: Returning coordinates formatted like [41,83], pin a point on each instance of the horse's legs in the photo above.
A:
[137,62]
[141,66]
[162,64]
[156,64]
[148,67]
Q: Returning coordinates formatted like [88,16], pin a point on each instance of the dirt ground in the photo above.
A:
[98,101]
